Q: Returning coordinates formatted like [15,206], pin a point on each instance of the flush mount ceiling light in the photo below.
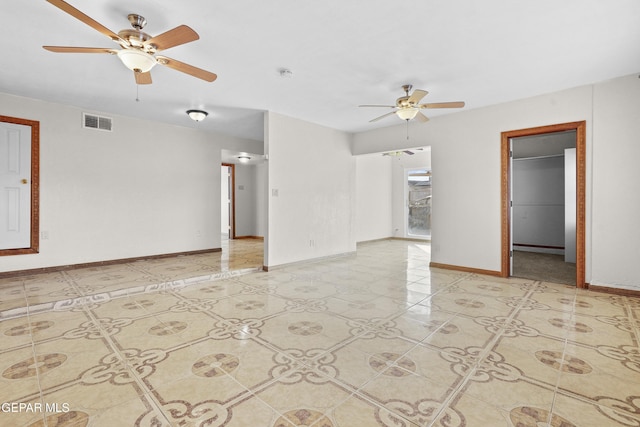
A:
[197,115]
[137,60]
[244,158]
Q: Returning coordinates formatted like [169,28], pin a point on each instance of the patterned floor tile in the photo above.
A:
[376,338]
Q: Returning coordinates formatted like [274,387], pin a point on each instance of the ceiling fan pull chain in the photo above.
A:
[407,129]
[137,93]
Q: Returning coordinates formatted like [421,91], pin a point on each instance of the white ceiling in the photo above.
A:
[342,54]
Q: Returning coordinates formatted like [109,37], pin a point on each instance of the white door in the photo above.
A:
[15,186]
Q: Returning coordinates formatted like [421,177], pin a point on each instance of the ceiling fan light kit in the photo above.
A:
[137,60]
[407,113]
[197,115]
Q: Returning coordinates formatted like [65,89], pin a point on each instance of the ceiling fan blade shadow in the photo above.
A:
[71,49]
[66,7]
[382,117]
[421,117]
[175,37]
[417,95]
[143,78]
[443,105]
[186,68]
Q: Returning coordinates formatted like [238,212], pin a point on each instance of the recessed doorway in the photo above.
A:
[542,200]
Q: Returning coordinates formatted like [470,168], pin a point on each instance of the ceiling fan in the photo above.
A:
[138,49]
[407,107]
[401,152]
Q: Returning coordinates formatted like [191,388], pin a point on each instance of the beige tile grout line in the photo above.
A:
[486,349]
[33,352]
[114,348]
[355,392]
[564,354]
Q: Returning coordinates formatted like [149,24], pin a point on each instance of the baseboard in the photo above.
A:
[382,239]
[615,291]
[102,263]
[307,261]
[412,239]
[465,269]
[526,245]
[249,237]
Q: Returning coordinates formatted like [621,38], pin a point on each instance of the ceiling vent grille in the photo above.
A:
[91,121]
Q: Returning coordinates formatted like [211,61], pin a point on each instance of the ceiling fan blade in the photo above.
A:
[186,68]
[375,105]
[417,95]
[421,117]
[382,117]
[143,78]
[411,153]
[66,7]
[177,36]
[70,49]
[443,105]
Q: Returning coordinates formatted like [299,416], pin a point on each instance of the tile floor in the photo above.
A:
[375,339]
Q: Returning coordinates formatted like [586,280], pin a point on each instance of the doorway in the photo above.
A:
[548,210]
[227,201]
[19,185]
[418,203]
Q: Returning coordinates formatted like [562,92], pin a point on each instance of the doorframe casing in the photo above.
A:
[505,174]
[232,193]
[34,245]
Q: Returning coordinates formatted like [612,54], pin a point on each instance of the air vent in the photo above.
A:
[91,121]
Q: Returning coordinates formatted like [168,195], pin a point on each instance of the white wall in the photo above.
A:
[144,189]
[466,167]
[615,207]
[374,205]
[261,177]
[246,200]
[313,172]
[538,203]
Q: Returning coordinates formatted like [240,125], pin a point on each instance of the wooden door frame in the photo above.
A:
[232,234]
[34,245]
[580,129]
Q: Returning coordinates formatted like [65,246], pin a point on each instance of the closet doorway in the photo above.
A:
[543,203]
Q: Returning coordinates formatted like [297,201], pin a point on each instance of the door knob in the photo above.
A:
[24,181]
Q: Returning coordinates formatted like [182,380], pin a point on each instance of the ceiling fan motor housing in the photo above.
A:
[137,39]
[403,102]
[137,21]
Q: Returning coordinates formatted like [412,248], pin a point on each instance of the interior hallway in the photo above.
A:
[375,339]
